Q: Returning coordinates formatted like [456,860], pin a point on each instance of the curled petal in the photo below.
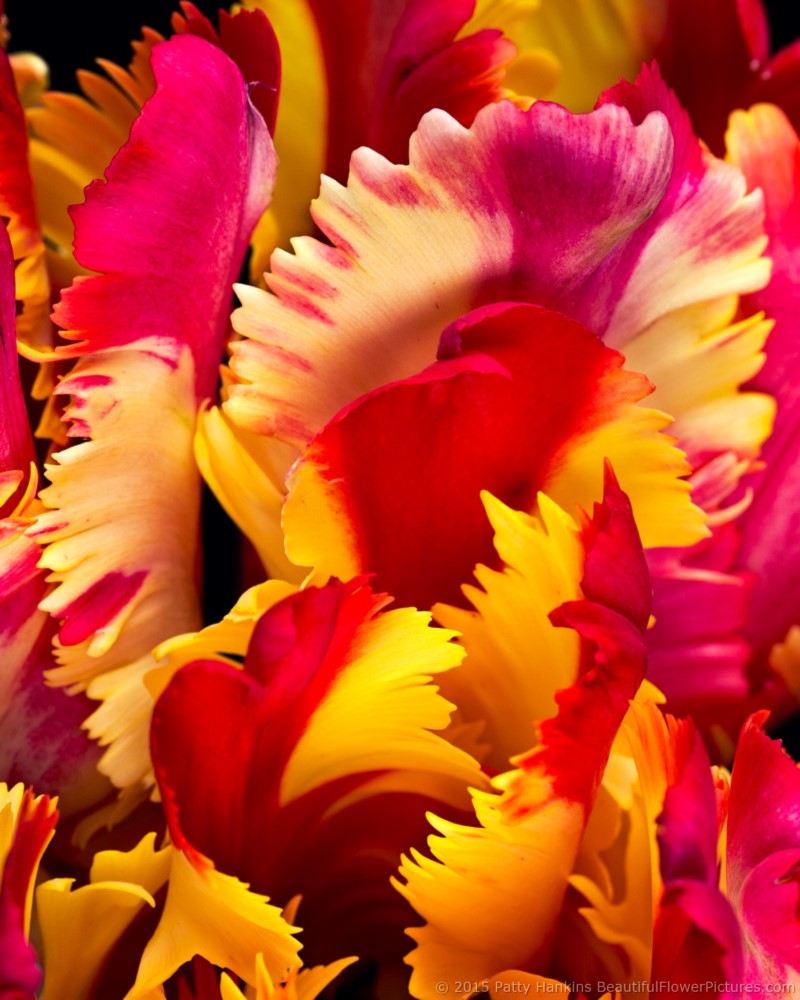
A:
[521,400]
[330,696]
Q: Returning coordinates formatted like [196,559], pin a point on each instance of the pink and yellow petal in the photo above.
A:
[766,147]
[137,346]
[352,290]
[41,742]
[705,238]
[122,585]
[697,358]
[365,75]
[648,188]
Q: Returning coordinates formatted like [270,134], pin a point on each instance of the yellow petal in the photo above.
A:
[216,916]
[382,713]
[79,927]
[246,473]
[97,539]
[300,130]
[515,660]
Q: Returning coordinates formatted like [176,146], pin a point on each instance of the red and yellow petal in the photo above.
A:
[499,682]
[26,827]
[492,897]
[127,694]
[522,400]
[332,694]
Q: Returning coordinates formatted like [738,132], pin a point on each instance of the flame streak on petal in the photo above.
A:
[152,557]
[325,677]
[499,682]
[128,693]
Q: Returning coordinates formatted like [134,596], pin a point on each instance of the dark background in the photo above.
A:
[70,36]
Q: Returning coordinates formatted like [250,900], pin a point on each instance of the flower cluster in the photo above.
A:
[504,417]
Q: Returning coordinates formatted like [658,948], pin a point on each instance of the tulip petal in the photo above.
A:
[122,722]
[763,854]
[246,473]
[26,827]
[18,208]
[139,340]
[210,914]
[306,984]
[696,938]
[493,895]
[766,147]
[605,203]
[41,741]
[331,694]
[82,926]
[522,400]
[499,681]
